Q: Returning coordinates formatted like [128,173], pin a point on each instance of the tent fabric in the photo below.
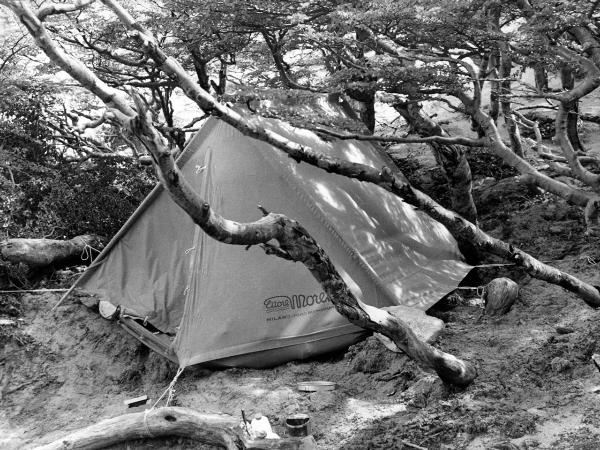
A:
[221,300]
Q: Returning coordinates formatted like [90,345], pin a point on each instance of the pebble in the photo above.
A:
[559,364]
[563,329]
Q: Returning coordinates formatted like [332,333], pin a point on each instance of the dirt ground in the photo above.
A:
[536,387]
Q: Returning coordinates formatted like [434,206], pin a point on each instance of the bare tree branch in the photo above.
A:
[61,8]
[458,140]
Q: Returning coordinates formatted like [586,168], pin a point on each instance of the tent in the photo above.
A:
[196,300]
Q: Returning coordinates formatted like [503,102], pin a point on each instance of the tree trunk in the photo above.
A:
[505,86]
[455,167]
[567,79]
[541,77]
[46,252]
[451,158]
[366,107]
[200,66]
[493,25]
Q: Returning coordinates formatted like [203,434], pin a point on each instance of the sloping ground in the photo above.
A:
[536,388]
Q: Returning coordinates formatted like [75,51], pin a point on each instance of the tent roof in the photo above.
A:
[221,300]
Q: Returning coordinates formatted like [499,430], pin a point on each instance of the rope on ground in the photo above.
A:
[480,289]
[32,291]
[590,260]
[150,434]
[169,391]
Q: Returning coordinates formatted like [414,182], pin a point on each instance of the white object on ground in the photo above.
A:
[426,328]
[260,428]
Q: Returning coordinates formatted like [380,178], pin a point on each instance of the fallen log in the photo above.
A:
[214,429]
[46,252]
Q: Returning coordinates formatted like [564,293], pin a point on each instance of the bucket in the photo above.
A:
[298,425]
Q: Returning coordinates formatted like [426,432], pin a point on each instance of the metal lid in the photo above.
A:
[313,386]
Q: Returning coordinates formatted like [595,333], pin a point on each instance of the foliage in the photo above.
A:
[42,193]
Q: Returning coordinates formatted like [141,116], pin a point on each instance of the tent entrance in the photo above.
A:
[163,344]
[157,341]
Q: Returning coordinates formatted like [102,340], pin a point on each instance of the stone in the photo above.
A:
[426,328]
[563,329]
[559,364]
[500,294]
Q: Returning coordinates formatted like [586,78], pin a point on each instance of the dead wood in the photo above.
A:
[214,429]
[500,294]
[46,252]
[172,421]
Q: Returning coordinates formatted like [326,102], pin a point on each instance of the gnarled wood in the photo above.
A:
[211,429]
[218,430]
[46,252]
[451,158]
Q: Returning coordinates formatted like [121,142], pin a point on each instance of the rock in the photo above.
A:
[499,296]
[563,329]
[559,364]
[426,328]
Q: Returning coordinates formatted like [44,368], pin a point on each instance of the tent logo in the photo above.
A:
[284,302]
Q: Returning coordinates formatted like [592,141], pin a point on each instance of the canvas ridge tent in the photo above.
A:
[211,302]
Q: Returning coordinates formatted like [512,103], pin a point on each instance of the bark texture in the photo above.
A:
[46,252]
[568,82]
[218,430]
[451,158]
[211,429]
